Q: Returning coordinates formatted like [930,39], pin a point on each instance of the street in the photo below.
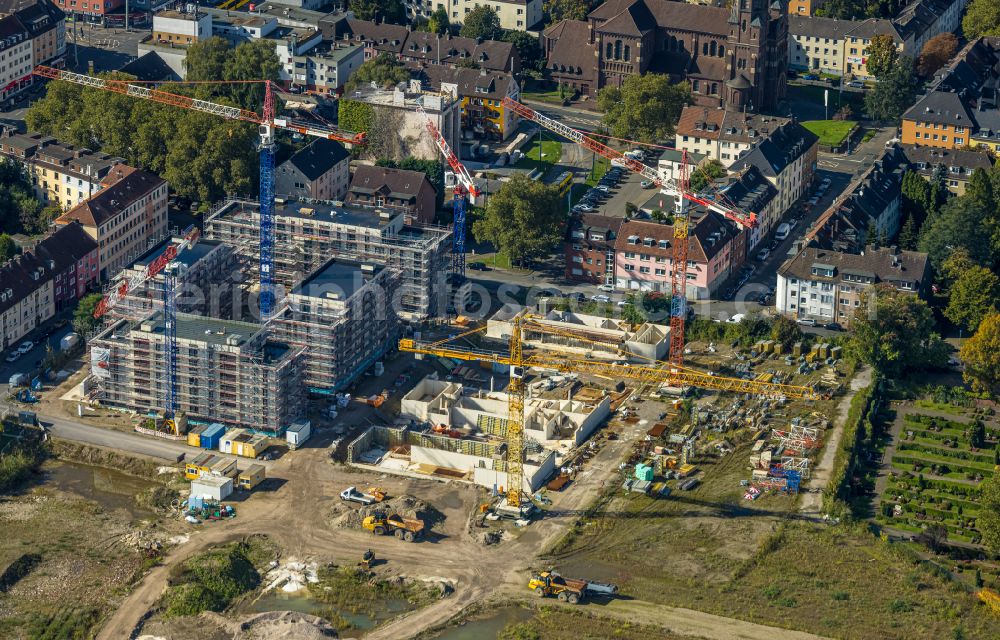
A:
[30,361]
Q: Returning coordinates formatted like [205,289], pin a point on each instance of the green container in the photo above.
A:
[644,472]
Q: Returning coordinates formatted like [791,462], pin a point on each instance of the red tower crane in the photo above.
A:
[678,189]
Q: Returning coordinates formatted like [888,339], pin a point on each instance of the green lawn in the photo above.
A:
[830,132]
[601,166]
[542,155]
[814,93]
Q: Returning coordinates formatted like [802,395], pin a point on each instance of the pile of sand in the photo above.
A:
[346,516]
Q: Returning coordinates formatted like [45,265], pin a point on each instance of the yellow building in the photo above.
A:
[481,95]
[251,477]
[241,442]
[209,464]
[803,7]
[940,119]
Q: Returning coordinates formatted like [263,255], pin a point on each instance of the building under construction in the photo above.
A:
[227,371]
[206,275]
[342,318]
[307,234]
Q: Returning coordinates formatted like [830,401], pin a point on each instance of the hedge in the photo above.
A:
[864,406]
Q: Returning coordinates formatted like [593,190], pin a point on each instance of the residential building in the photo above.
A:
[397,190]
[644,253]
[307,235]
[735,58]
[752,192]
[342,319]
[939,119]
[516,15]
[46,27]
[721,134]
[957,164]
[311,5]
[668,165]
[181,27]
[325,68]
[74,260]
[126,218]
[430,48]
[61,173]
[227,371]
[787,159]
[817,44]
[95,10]
[26,297]
[481,94]
[826,285]
[804,7]
[15,58]
[320,171]
[590,248]
[401,107]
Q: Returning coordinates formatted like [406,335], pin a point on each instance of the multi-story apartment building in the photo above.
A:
[817,44]
[396,190]
[826,285]
[516,15]
[16,59]
[26,297]
[787,159]
[957,164]
[46,27]
[320,171]
[95,10]
[481,94]
[309,234]
[227,371]
[181,27]
[644,254]
[804,7]
[723,135]
[61,173]
[126,218]
[325,68]
[342,318]
[73,257]
[589,248]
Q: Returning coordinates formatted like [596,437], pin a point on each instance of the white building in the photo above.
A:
[181,27]
[399,107]
[15,57]
[518,15]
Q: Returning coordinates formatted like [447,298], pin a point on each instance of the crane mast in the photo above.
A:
[464,187]
[679,190]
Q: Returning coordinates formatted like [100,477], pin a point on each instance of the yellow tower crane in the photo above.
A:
[519,363]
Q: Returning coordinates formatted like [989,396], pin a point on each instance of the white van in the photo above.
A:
[783,231]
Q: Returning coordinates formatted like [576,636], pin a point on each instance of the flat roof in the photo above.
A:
[187,257]
[202,329]
[353,216]
[338,279]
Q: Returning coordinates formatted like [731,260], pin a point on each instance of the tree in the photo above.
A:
[644,108]
[384,70]
[961,223]
[439,22]
[882,56]
[893,93]
[908,234]
[982,18]
[523,219]
[973,296]
[988,520]
[379,10]
[981,356]
[934,537]
[83,315]
[938,51]
[206,59]
[7,247]
[893,332]
[977,434]
[527,48]
[705,173]
[19,209]
[785,331]
[980,189]
[253,60]
[482,22]
[558,10]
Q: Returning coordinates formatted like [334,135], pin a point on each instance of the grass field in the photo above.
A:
[540,155]
[830,132]
[601,166]
[814,93]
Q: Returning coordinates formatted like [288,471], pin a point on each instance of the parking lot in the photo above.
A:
[29,361]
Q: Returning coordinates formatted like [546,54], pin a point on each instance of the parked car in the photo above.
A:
[602,187]
[833,326]
[600,297]
[814,200]
[764,299]
[794,222]
[749,269]
[579,297]
[606,287]
[25,347]
[810,76]
[737,318]
[807,322]
[13,356]
[478,266]
[856,84]
[585,207]
[646,184]
[763,254]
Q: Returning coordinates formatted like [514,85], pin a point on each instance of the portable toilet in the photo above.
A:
[194,436]
[211,435]
[297,433]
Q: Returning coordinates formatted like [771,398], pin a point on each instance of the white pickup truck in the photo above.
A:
[351,494]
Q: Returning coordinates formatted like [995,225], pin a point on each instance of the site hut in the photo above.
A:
[209,464]
[211,487]
[240,442]
[227,371]
[308,234]
[297,433]
[249,478]
[342,317]
[474,449]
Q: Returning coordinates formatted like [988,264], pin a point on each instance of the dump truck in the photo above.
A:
[571,590]
[351,494]
[407,529]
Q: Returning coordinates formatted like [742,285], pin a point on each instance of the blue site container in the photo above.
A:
[211,435]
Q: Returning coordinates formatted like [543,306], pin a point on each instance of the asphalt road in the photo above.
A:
[575,117]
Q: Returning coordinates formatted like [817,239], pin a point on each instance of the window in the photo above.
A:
[643,269]
[647,242]
[629,267]
[662,244]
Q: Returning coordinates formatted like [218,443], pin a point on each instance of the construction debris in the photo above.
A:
[406,506]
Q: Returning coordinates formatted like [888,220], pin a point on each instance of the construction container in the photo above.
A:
[297,433]
[211,435]
[194,436]
[836,353]
[797,349]
[686,469]
[777,349]
[241,442]
[212,487]
[251,477]
[643,472]
[209,464]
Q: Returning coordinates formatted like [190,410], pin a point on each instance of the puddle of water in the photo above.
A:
[109,488]
[487,628]
[301,602]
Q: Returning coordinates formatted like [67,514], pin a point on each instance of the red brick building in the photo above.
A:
[89,7]
[590,248]
[73,257]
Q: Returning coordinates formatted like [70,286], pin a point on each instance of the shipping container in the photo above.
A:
[212,487]
[211,436]
[298,433]
[194,436]
[251,477]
